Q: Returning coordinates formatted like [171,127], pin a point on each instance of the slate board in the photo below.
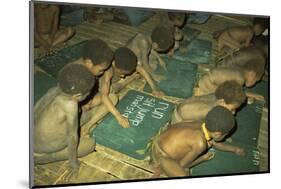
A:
[141,109]
[53,63]
[180,78]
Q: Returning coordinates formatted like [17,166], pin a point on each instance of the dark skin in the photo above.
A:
[143,47]
[245,55]
[189,149]
[237,37]
[105,80]
[48,36]
[56,130]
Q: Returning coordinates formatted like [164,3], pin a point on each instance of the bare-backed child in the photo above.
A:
[185,145]
[160,40]
[97,57]
[48,35]
[238,36]
[123,71]
[56,119]
[177,20]
[229,94]
[248,74]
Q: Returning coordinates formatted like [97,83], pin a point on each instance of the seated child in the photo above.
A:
[177,21]
[249,74]
[56,119]
[47,33]
[238,36]
[229,94]
[161,40]
[123,71]
[185,145]
[97,57]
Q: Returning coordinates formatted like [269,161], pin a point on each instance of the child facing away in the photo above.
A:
[184,145]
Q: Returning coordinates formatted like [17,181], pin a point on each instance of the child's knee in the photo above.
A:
[70,31]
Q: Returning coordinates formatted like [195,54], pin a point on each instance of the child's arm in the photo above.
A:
[149,80]
[160,60]
[229,148]
[104,90]
[194,153]
[72,135]
[55,24]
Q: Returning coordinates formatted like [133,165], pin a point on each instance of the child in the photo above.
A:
[177,20]
[160,40]
[97,58]
[123,71]
[56,119]
[239,36]
[229,94]
[248,74]
[184,145]
[47,33]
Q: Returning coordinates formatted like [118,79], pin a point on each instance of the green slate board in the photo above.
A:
[198,52]
[42,83]
[246,136]
[146,114]
[229,163]
[53,63]
[180,78]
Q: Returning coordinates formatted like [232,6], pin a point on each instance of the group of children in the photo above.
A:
[87,89]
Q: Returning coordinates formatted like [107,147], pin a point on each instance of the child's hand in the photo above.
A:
[209,155]
[124,122]
[158,93]
[240,151]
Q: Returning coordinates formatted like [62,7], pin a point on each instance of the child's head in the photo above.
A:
[253,73]
[97,56]
[162,39]
[125,61]
[76,80]
[177,18]
[230,95]
[259,25]
[219,123]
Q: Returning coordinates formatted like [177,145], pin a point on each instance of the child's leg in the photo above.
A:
[86,146]
[171,167]
[62,36]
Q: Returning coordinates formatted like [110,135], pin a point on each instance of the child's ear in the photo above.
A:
[154,45]
[252,74]
[217,134]
[77,96]
[221,102]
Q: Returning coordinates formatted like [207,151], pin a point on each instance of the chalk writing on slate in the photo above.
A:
[145,106]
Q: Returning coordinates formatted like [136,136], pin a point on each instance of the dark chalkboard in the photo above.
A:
[53,63]
[147,114]
[180,78]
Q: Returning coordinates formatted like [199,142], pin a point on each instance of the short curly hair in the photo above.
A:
[220,119]
[175,16]
[163,37]
[262,22]
[97,51]
[125,59]
[231,92]
[253,66]
[75,79]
